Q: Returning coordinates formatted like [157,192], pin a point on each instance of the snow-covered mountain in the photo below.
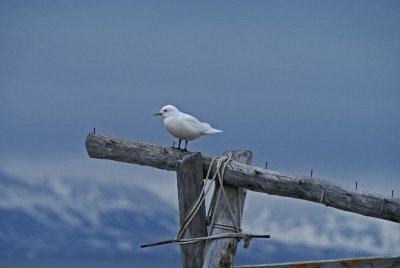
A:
[81,219]
[87,219]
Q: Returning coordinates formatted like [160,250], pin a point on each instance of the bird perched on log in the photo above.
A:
[183,126]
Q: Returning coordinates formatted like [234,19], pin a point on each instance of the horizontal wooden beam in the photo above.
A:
[249,177]
[356,262]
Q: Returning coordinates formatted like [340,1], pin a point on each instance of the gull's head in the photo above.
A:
[167,111]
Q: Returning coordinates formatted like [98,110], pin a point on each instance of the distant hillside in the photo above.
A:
[85,219]
[66,219]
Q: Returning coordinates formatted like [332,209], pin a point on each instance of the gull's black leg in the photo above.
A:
[186,142]
[179,144]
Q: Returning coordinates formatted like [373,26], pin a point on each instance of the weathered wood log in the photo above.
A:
[222,252]
[355,263]
[190,183]
[251,178]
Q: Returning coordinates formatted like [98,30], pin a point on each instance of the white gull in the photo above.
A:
[183,126]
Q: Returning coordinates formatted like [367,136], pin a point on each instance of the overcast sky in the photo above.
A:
[303,84]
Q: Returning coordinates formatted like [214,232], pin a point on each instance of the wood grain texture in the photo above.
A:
[345,263]
[190,184]
[252,178]
[222,252]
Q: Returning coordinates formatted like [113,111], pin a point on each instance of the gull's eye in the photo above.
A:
[165,111]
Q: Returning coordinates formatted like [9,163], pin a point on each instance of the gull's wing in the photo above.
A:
[203,128]
[193,122]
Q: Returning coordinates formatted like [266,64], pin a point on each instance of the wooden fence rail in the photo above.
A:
[370,262]
[249,177]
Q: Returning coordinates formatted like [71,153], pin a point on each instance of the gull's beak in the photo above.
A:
[157,114]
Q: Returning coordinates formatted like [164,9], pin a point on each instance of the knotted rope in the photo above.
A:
[221,164]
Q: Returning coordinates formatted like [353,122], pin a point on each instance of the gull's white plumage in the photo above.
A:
[183,126]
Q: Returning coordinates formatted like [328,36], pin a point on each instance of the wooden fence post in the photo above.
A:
[221,252]
[190,183]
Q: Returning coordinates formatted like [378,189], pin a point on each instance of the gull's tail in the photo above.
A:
[211,131]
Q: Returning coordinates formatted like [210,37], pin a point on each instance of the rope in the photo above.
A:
[204,191]
[221,165]
[323,193]
[211,212]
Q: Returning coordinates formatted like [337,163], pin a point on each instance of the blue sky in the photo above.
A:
[303,84]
